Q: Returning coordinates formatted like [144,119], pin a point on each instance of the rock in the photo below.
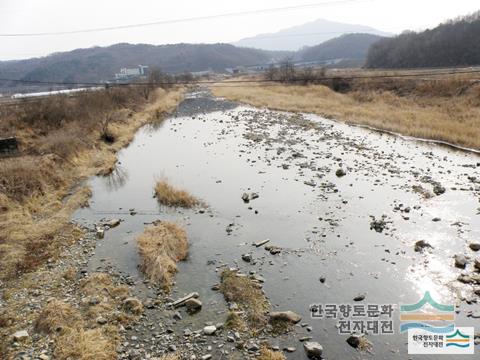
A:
[313,349]
[475,246]
[100,233]
[310,183]
[476,264]
[247,257]
[436,219]
[112,223]
[21,335]
[254,196]
[340,172]
[133,305]
[359,297]
[290,349]
[469,279]
[354,341]
[101,320]
[193,304]
[274,250]
[209,330]
[177,316]
[438,189]
[322,279]
[245,198]
[288,316]
[44,357]
[460,261]
[206,357]
[421,245]
[258,278]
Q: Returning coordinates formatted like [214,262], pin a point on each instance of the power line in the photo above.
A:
[183,20]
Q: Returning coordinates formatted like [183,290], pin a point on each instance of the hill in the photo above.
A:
[454,43]
[346,47]
[309,34]
[101,63]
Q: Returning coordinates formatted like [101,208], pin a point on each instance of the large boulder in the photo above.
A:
[313,349]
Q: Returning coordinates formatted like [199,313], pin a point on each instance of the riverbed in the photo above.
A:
[341,235]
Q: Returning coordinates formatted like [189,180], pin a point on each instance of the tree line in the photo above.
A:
[453,43]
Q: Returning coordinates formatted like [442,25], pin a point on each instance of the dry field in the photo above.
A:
[445,108]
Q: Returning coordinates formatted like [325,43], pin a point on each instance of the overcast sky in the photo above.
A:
[34,16]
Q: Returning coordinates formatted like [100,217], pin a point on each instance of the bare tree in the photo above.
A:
[287,71]
[271,73]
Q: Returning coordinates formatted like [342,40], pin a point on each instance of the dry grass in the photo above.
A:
[82,344]
[267,354]
[56,317]
[160,247]
[61,145]
[171,196]
[235,322]
[447,110]
[73,328]
[246,293]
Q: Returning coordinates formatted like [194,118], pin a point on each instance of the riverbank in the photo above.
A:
[448,113]
[62,142]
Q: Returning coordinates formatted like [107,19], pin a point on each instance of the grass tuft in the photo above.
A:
[56,317]
[83,344]
[160,247]
[171,196]
[247,295]
[267,354]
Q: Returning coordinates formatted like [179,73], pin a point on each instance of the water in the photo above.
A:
[218,150]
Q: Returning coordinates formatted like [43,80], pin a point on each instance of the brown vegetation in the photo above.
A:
[62,141]
[248,295]
[91,344]
[161,246]
[445,109]
[267,354]
[56,317]
[171,196]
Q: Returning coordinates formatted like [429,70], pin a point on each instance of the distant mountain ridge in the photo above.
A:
[101,63]
[309,34]
[348,47]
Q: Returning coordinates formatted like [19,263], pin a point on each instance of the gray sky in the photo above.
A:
[33,16]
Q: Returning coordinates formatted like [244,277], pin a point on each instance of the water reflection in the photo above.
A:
[116,179]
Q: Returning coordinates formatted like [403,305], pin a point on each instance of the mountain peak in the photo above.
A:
[308,34]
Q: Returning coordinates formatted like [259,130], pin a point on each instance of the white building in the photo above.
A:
[129,73]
